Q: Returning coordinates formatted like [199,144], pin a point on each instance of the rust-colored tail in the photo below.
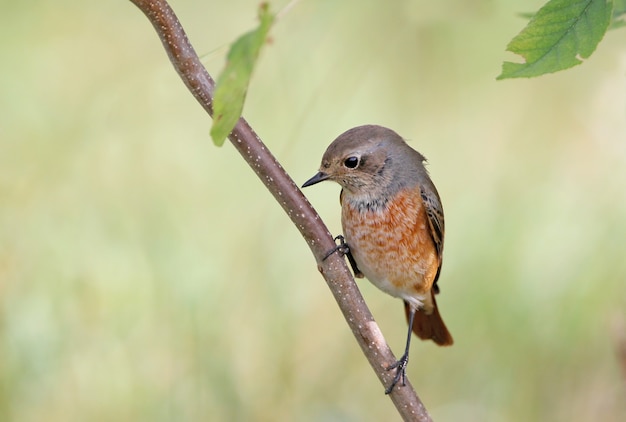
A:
[430,327]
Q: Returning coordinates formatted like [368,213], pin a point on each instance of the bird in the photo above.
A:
[393,225]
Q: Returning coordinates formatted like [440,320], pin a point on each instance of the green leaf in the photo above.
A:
[558,36]
[619,7]
[619,13]
[232,83]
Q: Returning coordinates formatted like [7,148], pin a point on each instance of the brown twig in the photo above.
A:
[334,269]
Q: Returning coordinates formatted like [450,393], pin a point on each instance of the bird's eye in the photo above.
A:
[351,162]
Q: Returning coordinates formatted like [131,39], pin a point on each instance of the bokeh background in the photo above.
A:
[147,275]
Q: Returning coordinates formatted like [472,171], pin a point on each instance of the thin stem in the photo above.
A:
[285,191]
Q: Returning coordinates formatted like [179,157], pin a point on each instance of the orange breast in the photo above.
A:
[392,245]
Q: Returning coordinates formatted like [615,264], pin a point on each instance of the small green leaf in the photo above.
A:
[619,7]
[619,13]
[558,36]
[232,83]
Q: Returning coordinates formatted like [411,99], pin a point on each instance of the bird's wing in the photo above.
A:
[434,211]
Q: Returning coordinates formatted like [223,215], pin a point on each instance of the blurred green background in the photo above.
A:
[147,275]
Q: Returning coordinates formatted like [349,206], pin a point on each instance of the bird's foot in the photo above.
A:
[344,250]
[400,367]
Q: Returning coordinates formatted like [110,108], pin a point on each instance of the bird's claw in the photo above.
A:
[344,250]
[400,367]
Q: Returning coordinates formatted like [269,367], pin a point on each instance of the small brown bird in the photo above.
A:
[393,224]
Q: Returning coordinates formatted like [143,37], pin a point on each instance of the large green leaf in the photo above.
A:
[561,34]
[232,83]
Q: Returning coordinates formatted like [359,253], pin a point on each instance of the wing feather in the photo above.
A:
[436,222]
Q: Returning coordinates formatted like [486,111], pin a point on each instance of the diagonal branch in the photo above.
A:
[304,217]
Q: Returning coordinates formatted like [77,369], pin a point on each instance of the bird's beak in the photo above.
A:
[319,177]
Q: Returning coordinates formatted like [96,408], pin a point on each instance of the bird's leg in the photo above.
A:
[402,363]
[344,249]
